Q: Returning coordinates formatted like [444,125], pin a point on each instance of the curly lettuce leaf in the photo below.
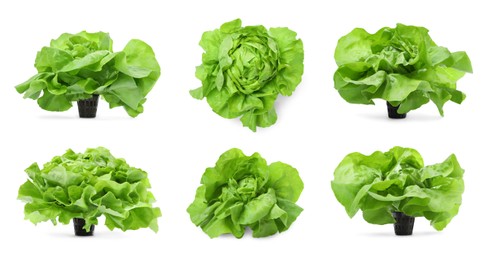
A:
[244,69]
[401,65]
[397,180]
[243,191]
[76,66]
[87,186]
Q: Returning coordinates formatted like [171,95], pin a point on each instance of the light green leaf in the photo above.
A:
[52,60]
[51,102]
[138,60]
[231,26]
[285,180]
[126,90]
[291,62]
[353,47]
[258,208]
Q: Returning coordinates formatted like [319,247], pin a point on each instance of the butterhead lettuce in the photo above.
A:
[244,69]
[398,181]
[401,65]
[76,66]
[244,191]
[86,186]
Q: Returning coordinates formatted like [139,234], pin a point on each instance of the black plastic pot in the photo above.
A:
[79,223]
[88,107]
[403,225]
[392,112]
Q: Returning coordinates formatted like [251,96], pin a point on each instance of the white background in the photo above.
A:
[178,137]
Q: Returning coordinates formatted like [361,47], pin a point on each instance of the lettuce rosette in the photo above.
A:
[244,191]
[244,69]
[77,66]
[87,186]
[397,181]
[401,65]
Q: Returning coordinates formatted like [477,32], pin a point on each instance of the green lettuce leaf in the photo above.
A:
[244,69]
[243,191]
[89,185]
[401,65]
[398,181]
[76,66]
